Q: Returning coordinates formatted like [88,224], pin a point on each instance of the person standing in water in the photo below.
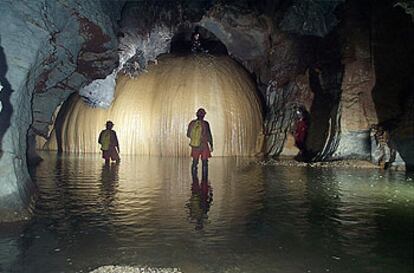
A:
[201,141]
[300,133]
[109,144]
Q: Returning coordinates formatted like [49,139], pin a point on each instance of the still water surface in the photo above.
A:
[244,218]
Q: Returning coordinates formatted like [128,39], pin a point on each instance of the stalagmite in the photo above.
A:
[151,112]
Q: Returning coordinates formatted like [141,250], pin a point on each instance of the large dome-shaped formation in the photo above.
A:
[151,113]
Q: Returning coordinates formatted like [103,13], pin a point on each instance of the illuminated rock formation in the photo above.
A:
[151,113]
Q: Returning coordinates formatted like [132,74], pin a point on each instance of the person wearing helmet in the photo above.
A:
[201,141]
[300,132]
[109,144]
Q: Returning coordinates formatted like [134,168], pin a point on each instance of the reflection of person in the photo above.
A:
[109,179]
[109,143]
[201,140]
[200,200]
[108,191]
[109,174]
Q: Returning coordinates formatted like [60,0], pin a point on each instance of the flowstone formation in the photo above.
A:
[151,115]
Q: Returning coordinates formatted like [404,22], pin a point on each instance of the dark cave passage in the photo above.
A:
[393,92]
[325,79]
[182,42]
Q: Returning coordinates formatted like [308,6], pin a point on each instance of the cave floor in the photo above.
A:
[245,217]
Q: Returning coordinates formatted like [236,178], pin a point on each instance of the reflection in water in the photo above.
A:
[264,218]
[200,200]
[109,183]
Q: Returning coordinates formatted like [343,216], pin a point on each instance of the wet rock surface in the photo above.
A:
[49,50]
[243,33]
[408,7]
[357,109]
[289,162]
[14,215]
[311,17]
[130,269]
[393,94]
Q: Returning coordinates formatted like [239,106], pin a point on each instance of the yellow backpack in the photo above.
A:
[105,140]
[195,134]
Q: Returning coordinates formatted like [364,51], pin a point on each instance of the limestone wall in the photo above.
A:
[48,49]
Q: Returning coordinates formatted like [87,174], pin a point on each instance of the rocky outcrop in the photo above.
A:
[130,269]
[344,68]
[146,30]
[357,109]
[245,34]
[282,104]
[137,50]
[145,33]
[325,81]
[100,92]
[393,94]
[49,49]
[310,17]
[408,6]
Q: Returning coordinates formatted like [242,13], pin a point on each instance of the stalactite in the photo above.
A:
[151,112]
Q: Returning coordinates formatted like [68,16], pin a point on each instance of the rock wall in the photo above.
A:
[408,6]
[310,17]
[357,112]
[393,94]
[48,49]
[325,76]
[145,32]
[358,76]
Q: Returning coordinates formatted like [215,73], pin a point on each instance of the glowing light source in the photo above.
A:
[151,113]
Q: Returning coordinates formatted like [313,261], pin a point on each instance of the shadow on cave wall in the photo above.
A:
[6,109]
[393,94]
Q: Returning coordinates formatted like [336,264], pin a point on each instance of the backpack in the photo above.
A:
[105,140]
[195,134]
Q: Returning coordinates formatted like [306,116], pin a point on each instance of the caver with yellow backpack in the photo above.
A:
[201,140]
[109,143]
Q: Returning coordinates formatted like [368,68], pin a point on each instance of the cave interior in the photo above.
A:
[344,65]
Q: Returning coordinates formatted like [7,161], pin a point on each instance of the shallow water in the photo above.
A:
[243,218]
